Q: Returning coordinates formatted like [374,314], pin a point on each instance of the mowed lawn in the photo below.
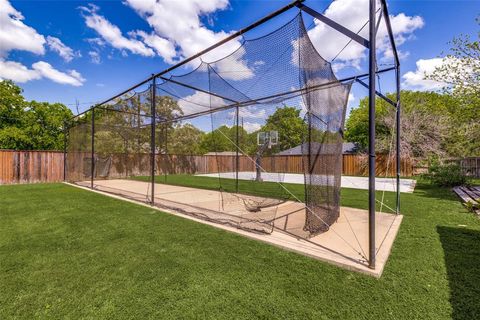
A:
[67,253]
[291,191]
[265,189]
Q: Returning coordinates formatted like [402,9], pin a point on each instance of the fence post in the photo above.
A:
[167,159]
[236,154]
[397,138]
[371,138]
[64,151]
[93,149]
[477,169]
[152,145]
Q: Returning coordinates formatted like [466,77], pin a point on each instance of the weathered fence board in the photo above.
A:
[30,166]
[471,166]
[357,165]
[47,166]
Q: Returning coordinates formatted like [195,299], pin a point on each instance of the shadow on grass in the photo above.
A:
[426,189]
[462,259]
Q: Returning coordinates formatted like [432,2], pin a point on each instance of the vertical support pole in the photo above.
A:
[64,151]
[237,160]
[371,136]
[92,173]
[167,157]
[137,148]
[477,168]
[309,159]
[397,132]
[152,127]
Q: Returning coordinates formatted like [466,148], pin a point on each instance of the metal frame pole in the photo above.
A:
[198,54]
[371,135]
[237,160]
[152,145]
[64,151]
[397,132]
[332,24]
[92,173]
[167,157]
[391,37]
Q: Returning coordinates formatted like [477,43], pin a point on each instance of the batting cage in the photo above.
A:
[217,143]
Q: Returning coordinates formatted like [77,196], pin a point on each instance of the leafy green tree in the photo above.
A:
[12,110]
[219,140]
[292,129]
[123,132]
[425,124]
[12,104]
[356,126]
[460,72]
[30,125]
[186,139]
[130,131]
[167,109]
[45,124]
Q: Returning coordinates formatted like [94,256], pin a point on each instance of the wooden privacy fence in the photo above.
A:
[357,165]
[47,166]
[470,166]
[353,165]
[30,166]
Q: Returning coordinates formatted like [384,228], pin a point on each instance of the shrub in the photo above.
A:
[446,175]
[473,206]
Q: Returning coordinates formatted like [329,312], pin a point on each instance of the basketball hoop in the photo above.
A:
[267,138]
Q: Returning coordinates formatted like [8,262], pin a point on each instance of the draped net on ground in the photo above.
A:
[208,160]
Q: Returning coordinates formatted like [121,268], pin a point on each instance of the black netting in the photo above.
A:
[252,140]
[79,150]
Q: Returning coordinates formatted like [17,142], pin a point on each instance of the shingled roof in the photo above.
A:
[347,148]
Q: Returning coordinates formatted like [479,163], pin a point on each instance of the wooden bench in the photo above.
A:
[469,194]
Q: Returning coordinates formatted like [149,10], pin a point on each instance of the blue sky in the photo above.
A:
[64,51]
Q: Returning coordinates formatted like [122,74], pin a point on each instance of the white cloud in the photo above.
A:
[234,68]
[63,50]
[162,46]
[112,34]
[417,79]
[351,99]
[18,72]
[95,57]
[177,33]
[353,14]
[45,70]
[250,112]
[199,102]
[251,126]
[248,115]
[96,41]
[15,35]
[388,55]
[179,23]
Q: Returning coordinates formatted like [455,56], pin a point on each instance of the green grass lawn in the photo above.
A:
[350,197]
[266,189]
[67,253]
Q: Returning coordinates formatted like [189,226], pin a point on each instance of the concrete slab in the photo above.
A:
[345,244]
[381,184]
